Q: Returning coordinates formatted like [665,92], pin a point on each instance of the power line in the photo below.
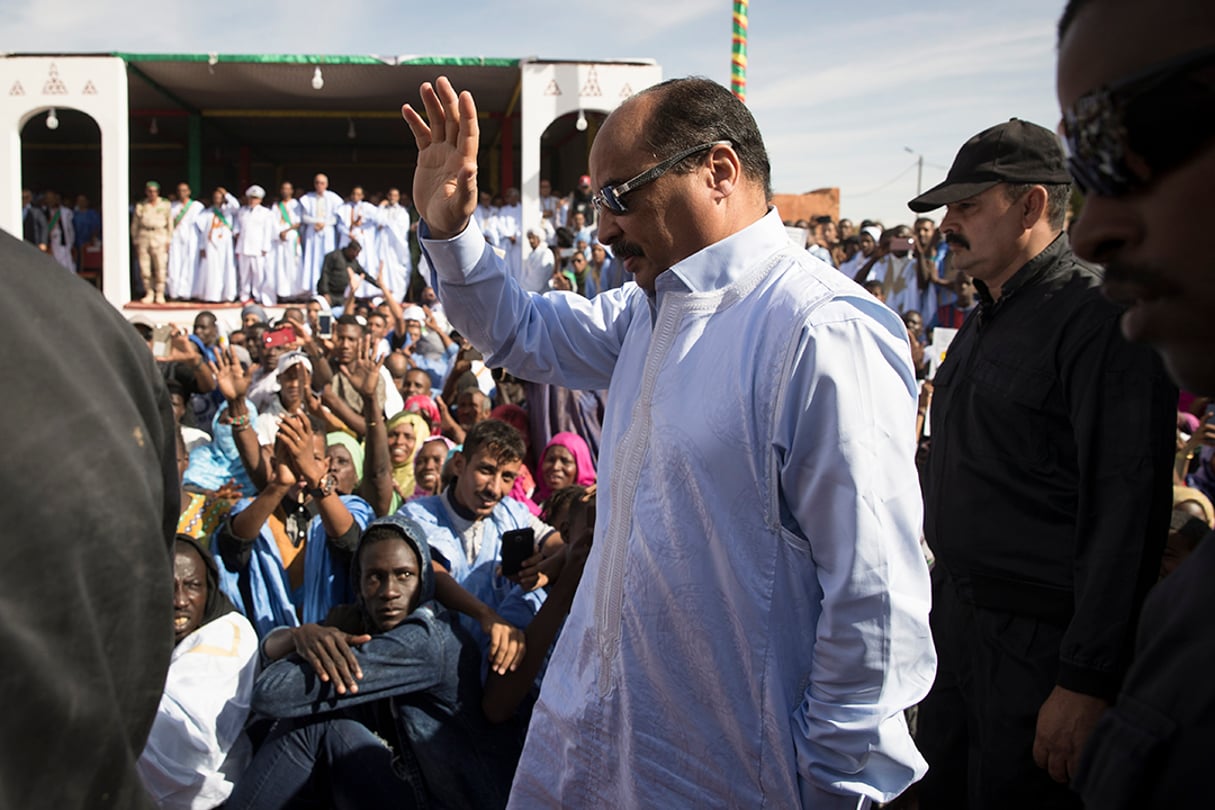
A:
[889,182]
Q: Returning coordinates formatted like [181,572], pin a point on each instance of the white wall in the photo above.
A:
[97,87]
[551,90]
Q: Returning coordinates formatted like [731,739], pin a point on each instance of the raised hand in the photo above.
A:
[295,436]
[230,378]
[364,372]
[445,181]
[180,348]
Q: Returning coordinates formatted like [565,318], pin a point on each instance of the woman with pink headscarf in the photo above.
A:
[566,461]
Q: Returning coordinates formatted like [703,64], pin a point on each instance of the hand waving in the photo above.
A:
[445,181]
[364,372]
[230,378]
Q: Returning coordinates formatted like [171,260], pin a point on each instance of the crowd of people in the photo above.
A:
[57,230]
[728,533]
[224,249]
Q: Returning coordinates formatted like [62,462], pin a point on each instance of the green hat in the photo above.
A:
[152,184]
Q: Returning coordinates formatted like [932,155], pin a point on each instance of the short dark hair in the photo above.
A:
[560,499]
[698,110]
[350,320]
[1058,197]
[501,440]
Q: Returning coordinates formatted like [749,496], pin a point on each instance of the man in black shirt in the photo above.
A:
[1137,87]
[1048,488]
[334,278]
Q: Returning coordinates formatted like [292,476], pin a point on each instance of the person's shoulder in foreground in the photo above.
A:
[1123,68]
[88,520]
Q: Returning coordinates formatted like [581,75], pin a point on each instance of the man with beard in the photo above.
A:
[1061,433]
[1137,88]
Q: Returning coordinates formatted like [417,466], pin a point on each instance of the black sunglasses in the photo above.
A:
[1119,137]
[611,197]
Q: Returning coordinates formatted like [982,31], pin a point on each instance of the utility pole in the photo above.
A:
[919,172]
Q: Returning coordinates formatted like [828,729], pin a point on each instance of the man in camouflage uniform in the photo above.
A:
[151,229]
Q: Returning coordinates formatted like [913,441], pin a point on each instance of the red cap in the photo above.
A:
[584,180]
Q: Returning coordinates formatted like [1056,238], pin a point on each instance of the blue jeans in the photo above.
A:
[326,761]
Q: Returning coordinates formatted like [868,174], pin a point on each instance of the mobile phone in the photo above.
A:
[901,243]
[279,337]
[161,337]
[517,546]
[324,325]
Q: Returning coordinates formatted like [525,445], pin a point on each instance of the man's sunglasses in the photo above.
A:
[1121,136]
[612,197]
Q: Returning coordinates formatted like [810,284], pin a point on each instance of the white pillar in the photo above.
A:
[553,89]
[96,86]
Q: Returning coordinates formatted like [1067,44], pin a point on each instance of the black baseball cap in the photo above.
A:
[1013,152]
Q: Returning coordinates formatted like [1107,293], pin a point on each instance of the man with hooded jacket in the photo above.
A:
[381,703]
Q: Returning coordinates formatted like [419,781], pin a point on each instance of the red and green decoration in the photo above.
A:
[738,53]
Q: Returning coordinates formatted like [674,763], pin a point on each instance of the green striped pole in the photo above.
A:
[738,52]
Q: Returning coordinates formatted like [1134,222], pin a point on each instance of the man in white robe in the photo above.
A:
[183,246]
[552,215]
[318,211]
[753,617]
[394,245]
[510,231]
[358,221]
[537,264]
[285,251]
[216,276]
[254,235]
[197,748]
[897,271]
[61,236]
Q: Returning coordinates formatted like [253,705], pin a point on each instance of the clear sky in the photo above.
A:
[839,89]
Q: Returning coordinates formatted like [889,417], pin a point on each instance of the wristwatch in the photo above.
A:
[325,488]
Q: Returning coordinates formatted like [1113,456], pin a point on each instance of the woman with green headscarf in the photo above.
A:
[346,461]
[406,432]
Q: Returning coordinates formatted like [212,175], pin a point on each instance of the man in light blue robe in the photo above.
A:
[753,618]
[464,526]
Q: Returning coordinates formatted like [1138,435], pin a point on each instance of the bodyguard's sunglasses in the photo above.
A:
[1121,136]
[612,197]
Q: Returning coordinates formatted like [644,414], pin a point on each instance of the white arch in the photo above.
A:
[97,87]
[553,89]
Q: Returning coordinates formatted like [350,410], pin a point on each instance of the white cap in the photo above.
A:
[413,312]
[873,231]
[255,191]
[294,358]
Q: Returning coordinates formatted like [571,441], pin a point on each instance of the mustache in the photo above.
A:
[957,239]
[623,250]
